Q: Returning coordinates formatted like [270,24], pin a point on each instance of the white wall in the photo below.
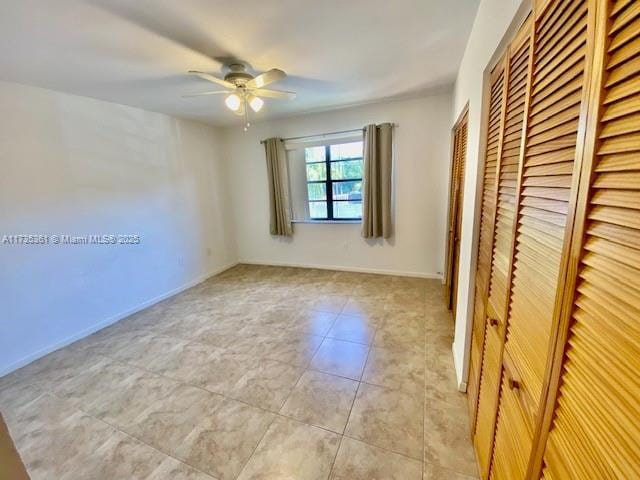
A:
[495,23]
[73,165]
[420,190]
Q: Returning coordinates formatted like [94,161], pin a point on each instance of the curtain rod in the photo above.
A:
[395,125]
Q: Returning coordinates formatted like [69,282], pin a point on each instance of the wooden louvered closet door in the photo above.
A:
[455,208]
[494,138]
[595,430]
[462,155]
[550,170]
[563,289]
[517,77]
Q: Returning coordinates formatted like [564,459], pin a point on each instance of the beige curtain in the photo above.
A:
[376,188]
[278,176]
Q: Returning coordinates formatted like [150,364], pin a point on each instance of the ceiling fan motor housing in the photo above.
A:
[238,74]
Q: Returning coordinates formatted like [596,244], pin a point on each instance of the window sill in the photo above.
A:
[339,222]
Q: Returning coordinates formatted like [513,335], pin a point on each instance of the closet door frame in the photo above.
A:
[586,148]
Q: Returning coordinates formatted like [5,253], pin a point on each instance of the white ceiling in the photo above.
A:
[137,52]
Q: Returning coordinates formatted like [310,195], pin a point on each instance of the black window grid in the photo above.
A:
[328,181]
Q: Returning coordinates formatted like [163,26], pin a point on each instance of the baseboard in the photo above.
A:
[115,318]
[109,321]
[462,385]
[399,273]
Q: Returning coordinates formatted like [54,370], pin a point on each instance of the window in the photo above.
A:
[334,181]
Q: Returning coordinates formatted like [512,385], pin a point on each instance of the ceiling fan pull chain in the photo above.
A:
[246,114]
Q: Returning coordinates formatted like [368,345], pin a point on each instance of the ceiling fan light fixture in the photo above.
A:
[233,102]
[243,90]
[255,103]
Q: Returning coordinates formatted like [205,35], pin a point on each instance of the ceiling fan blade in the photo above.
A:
[266,78]
[264,92]
[211,78]
[217,92]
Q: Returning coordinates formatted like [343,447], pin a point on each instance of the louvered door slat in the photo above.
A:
[563,181]
[562,155]
[457,224]
[549,25]
[570,42]
[546,100]
[625,124]
[515,441]
[559,76]
[455,202]
[490,377]
[621,198]
[595,430]
[506,200]
[551,213]
[623,89]
[623,72]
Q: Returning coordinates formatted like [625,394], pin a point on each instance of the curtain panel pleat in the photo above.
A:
[278,177]
[376,201]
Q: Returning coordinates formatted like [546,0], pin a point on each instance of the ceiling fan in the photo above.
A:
[243,89]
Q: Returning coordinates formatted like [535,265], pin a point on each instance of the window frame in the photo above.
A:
[328,181]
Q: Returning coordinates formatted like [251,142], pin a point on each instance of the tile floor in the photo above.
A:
[257,373]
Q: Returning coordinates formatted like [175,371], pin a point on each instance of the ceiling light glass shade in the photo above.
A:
[233,102]
[255,103]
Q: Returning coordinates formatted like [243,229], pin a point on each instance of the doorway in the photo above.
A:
[459,152]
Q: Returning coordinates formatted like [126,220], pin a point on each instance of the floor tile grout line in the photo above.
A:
[256,447]
[388,450]
[349,341]
[274,414]
[291,390]
[266,410]
[117,428]
[124,362]
[452,470]
[179,382]
[304,369]
[424,405]
[225,396]
[344,429]
[307,368]
[147,329]
[355,398]
[335,457]
[296,421]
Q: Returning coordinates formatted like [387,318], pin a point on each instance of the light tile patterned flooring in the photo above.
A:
[257,373]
